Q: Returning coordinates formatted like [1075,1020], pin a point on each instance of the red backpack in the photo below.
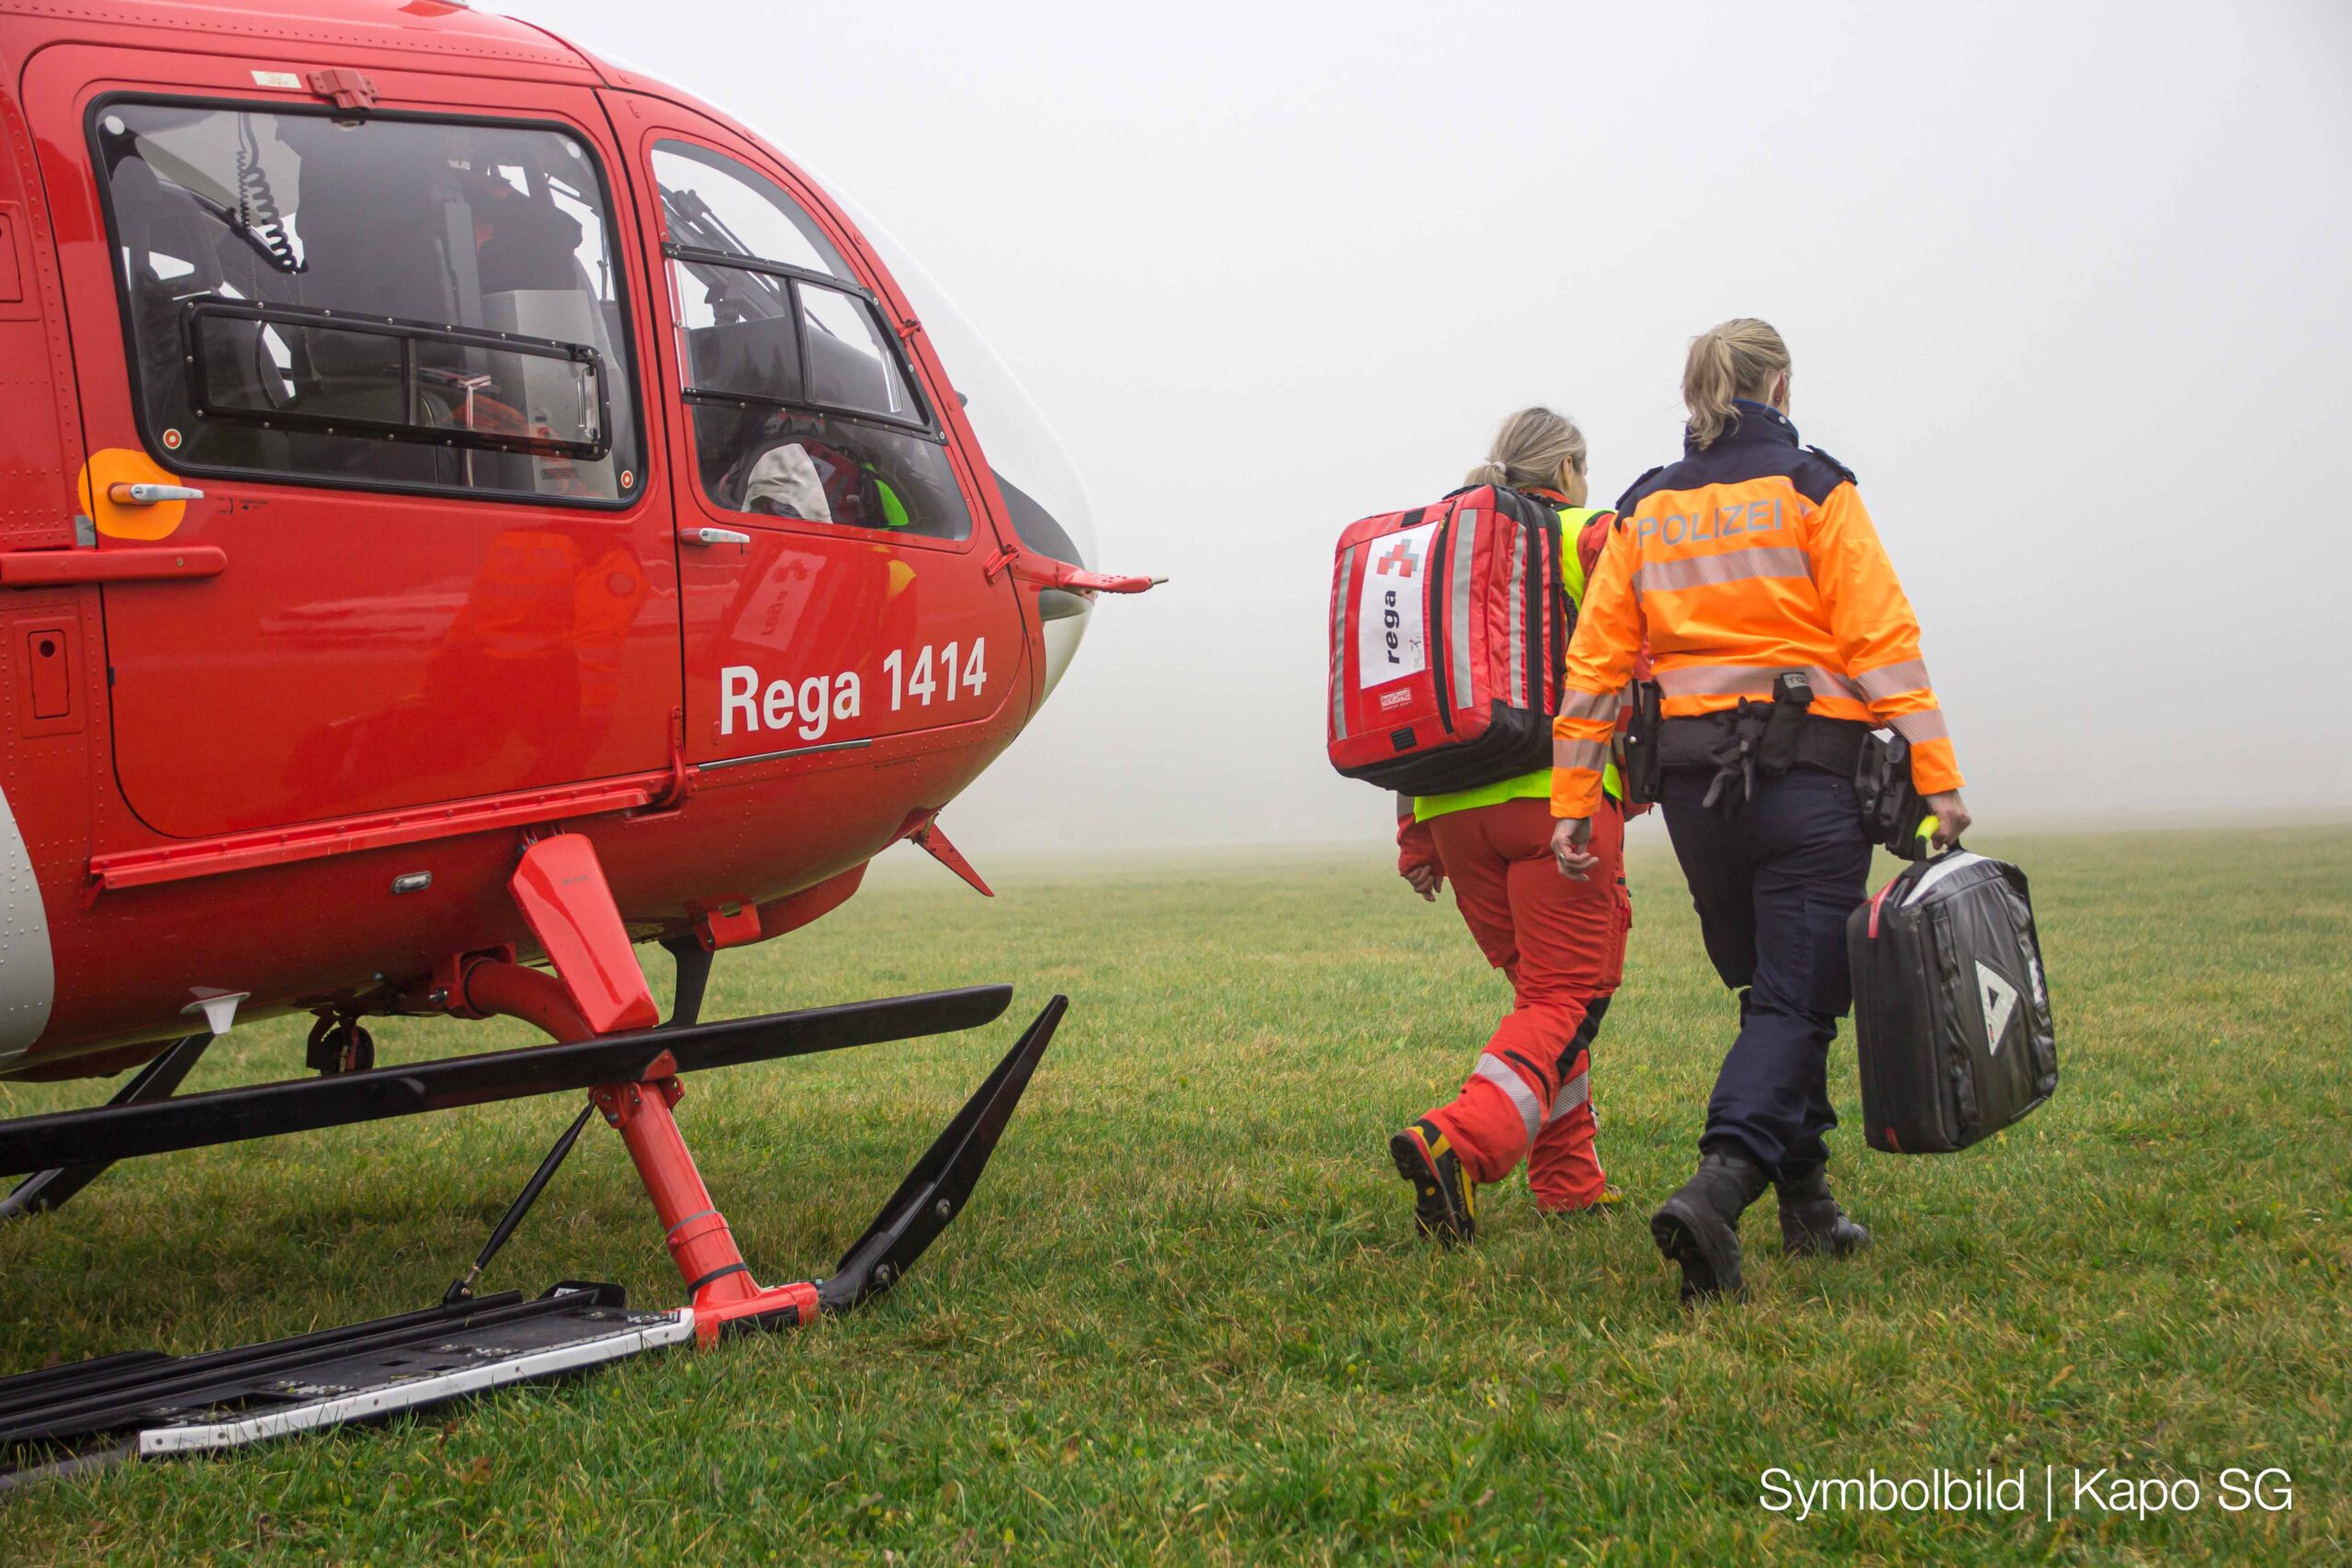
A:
[1449,628]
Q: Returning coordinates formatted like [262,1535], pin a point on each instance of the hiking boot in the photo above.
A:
[1811,1222]
[1699,1226]
[1443,1201]
[1611,1199]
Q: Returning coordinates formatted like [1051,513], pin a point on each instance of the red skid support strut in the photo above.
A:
[718,1282]
[598,987]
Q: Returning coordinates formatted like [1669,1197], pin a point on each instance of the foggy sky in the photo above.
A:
[2070,288]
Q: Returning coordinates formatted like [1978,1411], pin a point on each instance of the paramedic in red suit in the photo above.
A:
[1561,942]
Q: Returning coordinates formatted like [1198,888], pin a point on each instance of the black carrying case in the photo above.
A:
[1952,1013]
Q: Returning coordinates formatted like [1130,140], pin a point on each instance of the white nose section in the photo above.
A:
[28,972]
[1062,638]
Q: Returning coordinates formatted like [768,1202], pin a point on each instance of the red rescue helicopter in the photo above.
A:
[472,510]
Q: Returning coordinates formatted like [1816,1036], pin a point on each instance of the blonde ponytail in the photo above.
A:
[1528,450]
[1741,359]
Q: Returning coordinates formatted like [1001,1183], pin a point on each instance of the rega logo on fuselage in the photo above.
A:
[948,671]
[812,706]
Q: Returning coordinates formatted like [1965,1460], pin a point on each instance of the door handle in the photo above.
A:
[145,495]
[713,536]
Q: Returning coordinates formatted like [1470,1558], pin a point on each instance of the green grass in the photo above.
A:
[1186,1320]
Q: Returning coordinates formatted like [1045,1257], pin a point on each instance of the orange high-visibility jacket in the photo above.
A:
[1751,556]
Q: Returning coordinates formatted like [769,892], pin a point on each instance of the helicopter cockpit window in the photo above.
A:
[802,405]
[380,302]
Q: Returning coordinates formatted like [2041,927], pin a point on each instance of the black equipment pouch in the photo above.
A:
[1953,1028]
[1791,696]
[1773,739]
[1733,784]
[1640,745]
[1893,811]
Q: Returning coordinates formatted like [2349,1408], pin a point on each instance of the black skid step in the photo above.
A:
[146,1404]
[124,1131]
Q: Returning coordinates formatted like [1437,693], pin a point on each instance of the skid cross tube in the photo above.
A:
[45,1191]
[261,1110]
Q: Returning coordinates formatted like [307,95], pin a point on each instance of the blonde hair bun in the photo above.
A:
[1528,450]
[1739,358]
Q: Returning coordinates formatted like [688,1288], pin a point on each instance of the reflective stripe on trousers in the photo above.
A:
[1573,1093]
[1505,1076]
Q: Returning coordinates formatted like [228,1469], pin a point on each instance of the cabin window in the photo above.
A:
[803,405]
[389,302]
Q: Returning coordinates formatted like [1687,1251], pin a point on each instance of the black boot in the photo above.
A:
[1811,1220]
[1699,1226]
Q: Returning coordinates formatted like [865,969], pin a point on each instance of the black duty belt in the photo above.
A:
[1829,745]
[1739,743]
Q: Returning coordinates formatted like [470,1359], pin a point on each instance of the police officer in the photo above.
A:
[1779,638]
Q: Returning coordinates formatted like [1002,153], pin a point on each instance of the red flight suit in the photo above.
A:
[1562,944]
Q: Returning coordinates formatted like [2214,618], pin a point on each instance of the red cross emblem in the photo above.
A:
[1400,561]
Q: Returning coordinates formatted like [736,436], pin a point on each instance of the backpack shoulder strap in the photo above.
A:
[1593,538]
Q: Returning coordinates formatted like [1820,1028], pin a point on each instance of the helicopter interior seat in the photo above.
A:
[532,283]
[764,352]
[376,221]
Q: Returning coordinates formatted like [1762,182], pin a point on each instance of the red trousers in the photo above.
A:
[1562,944]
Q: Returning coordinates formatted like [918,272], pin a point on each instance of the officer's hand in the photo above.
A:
[1425,880]
[1569,837]
[1952,818]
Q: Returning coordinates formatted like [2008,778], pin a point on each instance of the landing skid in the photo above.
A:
[145,1404]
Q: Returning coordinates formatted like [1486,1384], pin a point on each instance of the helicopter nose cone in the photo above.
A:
[1066,614]
[1042,491]
[1042,494]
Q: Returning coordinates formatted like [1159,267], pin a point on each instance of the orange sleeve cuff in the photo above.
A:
[1575,792]
[1934,769]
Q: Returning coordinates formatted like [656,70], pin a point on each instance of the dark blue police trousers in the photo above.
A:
[1773,882]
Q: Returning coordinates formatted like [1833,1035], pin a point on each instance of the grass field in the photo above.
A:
[1186,1319]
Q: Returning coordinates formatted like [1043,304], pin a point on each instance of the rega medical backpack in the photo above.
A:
[1449,629]
[1951,1014]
